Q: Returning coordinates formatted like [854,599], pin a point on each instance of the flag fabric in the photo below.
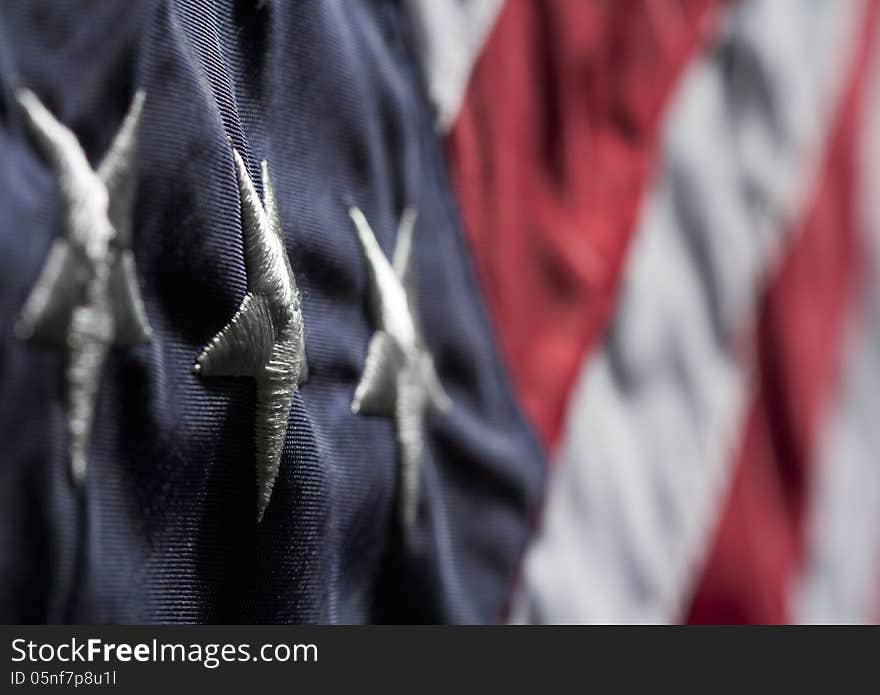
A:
[163,527]
[672,211]
[440,311]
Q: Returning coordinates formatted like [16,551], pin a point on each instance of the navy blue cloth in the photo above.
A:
[164,529]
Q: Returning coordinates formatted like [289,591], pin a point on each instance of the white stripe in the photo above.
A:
[451,35]
[646,454]
[841,580]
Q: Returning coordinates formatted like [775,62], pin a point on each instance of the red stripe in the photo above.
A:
[760,541]
[549,157]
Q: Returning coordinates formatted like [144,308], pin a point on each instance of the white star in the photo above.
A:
[399,378]
[264,338]
[86,298]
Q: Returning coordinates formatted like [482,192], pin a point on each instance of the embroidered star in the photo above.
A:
[264,338]
[86,298]
[399,378]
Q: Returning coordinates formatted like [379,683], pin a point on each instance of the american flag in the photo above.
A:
[539,311]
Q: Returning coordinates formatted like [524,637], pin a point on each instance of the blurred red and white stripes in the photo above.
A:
[673,210]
